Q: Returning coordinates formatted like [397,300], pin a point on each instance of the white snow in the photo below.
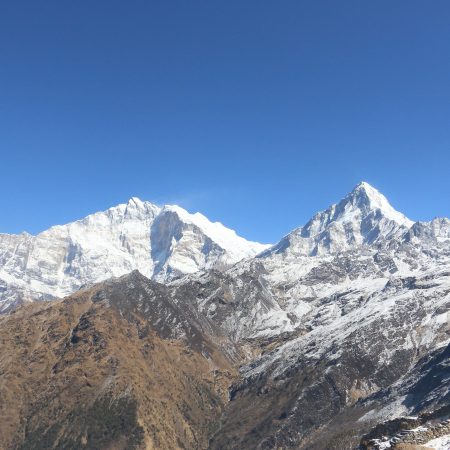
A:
[363,217]
[441,443]
[136,235]
[378,200]
[226,238]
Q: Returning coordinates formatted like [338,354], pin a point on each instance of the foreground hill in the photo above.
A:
[117,366]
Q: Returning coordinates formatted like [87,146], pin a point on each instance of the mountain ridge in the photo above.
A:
[161,242]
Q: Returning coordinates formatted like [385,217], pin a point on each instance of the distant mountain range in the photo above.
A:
[176,333]
[162,243]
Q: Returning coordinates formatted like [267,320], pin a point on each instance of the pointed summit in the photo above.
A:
[367,199]
[368,192]
[363,217]
[135,200]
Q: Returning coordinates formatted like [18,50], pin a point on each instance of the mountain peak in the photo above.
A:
[135,207]
[364,189]
[136,202]
[362,217]
[367,199]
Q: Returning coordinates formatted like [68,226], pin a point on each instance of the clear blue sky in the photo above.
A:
[256,113]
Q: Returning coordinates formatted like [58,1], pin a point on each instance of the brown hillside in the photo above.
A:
[77,374]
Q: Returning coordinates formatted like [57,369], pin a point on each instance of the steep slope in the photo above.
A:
[185,243]
[116,366]
[159,242]
[309,390]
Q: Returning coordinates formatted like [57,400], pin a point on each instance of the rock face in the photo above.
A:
[338,329]
[162,243]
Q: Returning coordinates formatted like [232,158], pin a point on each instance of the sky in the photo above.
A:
[256,113]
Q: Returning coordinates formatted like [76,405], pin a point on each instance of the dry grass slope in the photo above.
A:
[76,374]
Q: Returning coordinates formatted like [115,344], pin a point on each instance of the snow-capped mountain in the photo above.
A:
[360,239]
[339,310]
[346,306]
[363,217]
[162,243]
